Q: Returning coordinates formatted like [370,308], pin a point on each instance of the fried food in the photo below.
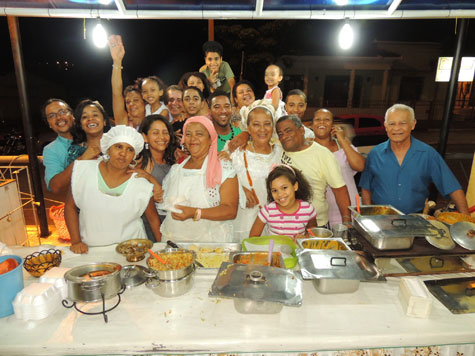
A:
[174,261]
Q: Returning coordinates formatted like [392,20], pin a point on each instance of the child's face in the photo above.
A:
[151,92]
[283,191]
[272,76]
[192,102]
[213,61]
[195,82]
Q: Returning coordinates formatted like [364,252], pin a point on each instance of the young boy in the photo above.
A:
[218,72]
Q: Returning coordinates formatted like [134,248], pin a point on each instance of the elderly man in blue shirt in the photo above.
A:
[399,171]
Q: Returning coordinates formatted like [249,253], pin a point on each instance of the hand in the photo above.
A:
[178,135]
[213,77]
[187,213]
[157,187]
[238,141]
[92,152]
[224,155]
[79,247]
[116,48]
[179,154]
[338,133]
[251,199]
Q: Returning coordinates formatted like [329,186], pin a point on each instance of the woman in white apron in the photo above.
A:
[110,198]
[253,164]
[201,193]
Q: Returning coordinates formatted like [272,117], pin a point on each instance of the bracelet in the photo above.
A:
[346,216]
[117,67]
[197,215]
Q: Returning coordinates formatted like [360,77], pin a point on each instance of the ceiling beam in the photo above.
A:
[393,7]
[120,6]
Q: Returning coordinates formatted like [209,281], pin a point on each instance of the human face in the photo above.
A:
[151,91]
[213,61]
[121,154]
[92,120]
[296,105]
[134,104]
[197,140]
[59,118]
[260,126]
[158,136]
[195,82]
[244,95]
[291,137]
[192,102]
[322,123]
[175,102]
[272,76]
[221,111]
[283,192]
[399,126]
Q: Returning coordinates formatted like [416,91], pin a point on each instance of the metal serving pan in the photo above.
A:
[336,271]
[206,252]
[318,243]
[257,258]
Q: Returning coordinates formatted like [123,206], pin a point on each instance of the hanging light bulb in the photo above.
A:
[346,37]
[99,36]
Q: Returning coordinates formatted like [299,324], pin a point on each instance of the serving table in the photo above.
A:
[370,321]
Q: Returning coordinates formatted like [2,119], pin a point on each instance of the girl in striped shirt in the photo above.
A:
[288,211]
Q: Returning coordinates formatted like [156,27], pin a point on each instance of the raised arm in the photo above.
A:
[355,159]
[117,51]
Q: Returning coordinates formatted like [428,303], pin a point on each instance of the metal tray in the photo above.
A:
[457,294]
[206,252]
[257,258]
[318,243]
[432,264]
[371,210]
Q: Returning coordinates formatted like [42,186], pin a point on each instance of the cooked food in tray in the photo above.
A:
[210,256]
[323,244]
[174,261]
[259,258]
[454,217]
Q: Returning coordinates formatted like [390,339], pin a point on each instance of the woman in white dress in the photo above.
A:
[111,199]
[253,163]
[201,193]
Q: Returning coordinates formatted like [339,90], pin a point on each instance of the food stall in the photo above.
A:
[368,321]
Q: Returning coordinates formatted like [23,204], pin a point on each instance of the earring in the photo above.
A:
[133,164]
[106,157]
[147,146]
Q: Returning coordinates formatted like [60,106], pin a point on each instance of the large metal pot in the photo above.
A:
[92,282]
[172,283]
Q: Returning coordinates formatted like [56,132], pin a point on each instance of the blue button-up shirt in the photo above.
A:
[406,186]
[55,157]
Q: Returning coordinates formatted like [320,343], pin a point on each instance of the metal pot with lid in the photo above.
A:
[93,282]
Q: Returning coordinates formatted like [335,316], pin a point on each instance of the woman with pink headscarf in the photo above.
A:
[201,193]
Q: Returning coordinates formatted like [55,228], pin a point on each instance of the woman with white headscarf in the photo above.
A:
[253,163]
[110,198]
[201,193]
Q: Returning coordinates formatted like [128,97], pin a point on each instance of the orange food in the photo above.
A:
[258,258]
[8,265]
[174,261]
[453,217]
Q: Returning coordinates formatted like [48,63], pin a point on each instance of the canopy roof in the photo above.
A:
[240,9]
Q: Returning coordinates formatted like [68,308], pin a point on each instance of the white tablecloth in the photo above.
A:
[145,323]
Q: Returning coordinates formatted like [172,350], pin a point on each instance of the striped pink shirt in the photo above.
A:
[280,223]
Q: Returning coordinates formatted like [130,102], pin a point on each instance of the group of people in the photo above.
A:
[205,161]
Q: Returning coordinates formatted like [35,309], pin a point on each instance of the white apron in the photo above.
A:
[190,185]
[106,219]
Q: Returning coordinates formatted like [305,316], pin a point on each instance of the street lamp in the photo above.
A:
[346,37]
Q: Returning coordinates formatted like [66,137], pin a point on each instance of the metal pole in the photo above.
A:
[25,115]
[453,85]
[210,30]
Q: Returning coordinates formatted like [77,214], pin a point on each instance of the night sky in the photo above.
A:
[168,48]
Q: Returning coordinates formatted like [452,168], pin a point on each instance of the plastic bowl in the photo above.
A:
[39,262]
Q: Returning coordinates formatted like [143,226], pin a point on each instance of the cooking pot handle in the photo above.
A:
[399,222]
[339,261]
[436,262]
[150,273]
[90,287]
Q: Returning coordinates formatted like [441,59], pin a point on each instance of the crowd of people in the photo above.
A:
[205,160]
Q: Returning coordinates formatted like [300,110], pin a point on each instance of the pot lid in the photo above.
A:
[332,264]
[442,240]
[134,275]
[260,283]
[463,233]
[390,226]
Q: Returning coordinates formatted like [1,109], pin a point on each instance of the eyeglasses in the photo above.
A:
[54,115]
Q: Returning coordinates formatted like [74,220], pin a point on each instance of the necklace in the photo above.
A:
[223,140]
[249,179]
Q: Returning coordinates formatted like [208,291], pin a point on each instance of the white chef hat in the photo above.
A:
[263,104]
[122,133]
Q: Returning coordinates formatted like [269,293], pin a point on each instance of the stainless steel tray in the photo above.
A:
[457,294]
[257,258]
[207,255]
[371,210]
[320,243]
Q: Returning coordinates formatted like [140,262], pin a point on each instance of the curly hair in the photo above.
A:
[183,83]
[304,191]
[161,85]
[169,155]
[79,136]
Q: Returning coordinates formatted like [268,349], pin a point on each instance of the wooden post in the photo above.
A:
[210,30]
